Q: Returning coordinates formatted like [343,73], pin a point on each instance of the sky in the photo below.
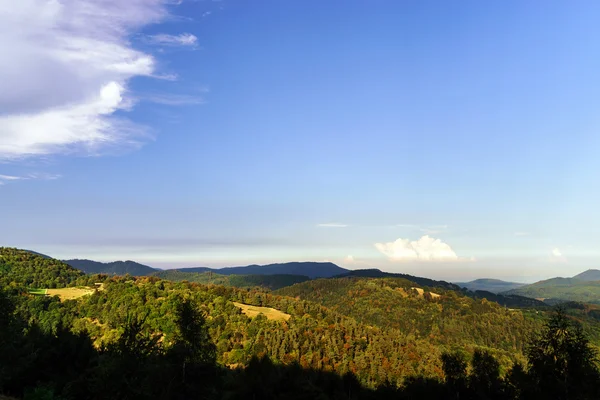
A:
[452,140]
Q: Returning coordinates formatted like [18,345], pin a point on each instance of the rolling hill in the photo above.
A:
[376,273]
[589,275]
[490,285]
[271,282]
[111,268]
[28,269]
[561,289]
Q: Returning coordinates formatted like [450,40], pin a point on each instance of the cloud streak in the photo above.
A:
[65,68]
[425,249]
[33,176]
[332,225]
[163,39]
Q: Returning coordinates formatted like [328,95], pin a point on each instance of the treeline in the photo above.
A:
[56,363]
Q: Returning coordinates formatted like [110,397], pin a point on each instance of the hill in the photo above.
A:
[311,269]
[490,285]
[271,282]
[589,275]
[111,268]
[376,273]
[561,289]
[27,269]
[443,317]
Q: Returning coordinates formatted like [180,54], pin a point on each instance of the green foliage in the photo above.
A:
[451,320]
[562,364]
[562,289]
[272,282]
[21,268]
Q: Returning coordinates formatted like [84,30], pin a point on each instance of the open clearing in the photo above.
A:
[421,292]
[270,313]
[39,292]
[70,293]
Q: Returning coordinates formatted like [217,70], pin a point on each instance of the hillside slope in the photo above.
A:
[445,317]
[561,289]
[111,268]
[589,275]
[271,282]
[24,268]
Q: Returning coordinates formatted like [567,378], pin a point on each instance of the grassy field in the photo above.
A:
[70,293]
[65,293]
[270,313]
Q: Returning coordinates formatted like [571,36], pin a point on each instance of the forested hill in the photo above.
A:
[310,269]
[376,273]
[24,268]
[111,268]
[589,275]
[440,316]
[561,289]
[130,337]
[271,282]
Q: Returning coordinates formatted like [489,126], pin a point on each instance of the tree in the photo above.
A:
[484,379]
[454,366]
[562,364]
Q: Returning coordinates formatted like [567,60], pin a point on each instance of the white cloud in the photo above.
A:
[332,225]
[556,252]
[349,259]
[557,256]
[424,249]
[184,39]
[65,67]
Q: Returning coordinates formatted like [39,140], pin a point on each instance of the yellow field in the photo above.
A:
[70,293]
[270,313]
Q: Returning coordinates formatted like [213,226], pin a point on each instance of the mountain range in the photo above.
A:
[584,287]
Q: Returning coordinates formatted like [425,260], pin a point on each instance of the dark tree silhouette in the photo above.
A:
[562,364]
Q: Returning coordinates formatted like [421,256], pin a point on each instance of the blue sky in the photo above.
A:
[446,139]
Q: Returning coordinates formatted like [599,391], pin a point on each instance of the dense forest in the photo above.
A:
[271,282]
[351,337]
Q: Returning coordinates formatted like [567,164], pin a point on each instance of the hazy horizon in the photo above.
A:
[448,140]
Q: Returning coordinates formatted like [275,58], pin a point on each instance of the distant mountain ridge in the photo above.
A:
[583,287]
[490,285]
[311,269]
[589,275]
[111,268]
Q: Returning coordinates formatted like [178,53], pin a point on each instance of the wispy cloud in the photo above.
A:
[173,99]
[183,39]
[65,68]
[434,230]
[332,225]
[36,175]
[424,249]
